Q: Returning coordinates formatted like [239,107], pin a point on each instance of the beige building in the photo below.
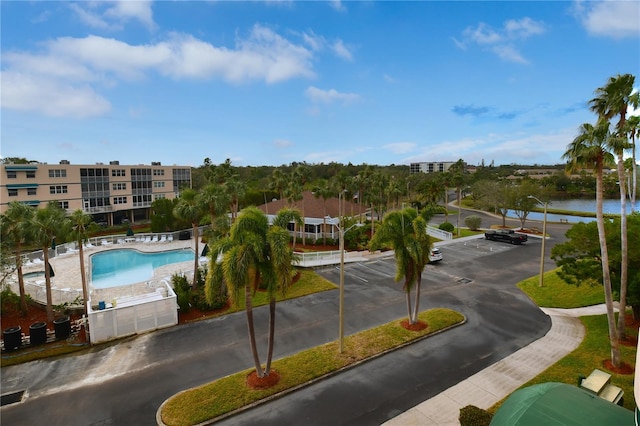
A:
[112,193]
[432,167]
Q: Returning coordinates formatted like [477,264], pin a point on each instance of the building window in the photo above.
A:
[11,174]
[119,186]
[64,204]
[119,200]
[31,174]
[32,191]
[158,196]
[57,173]
[158,184]
[58,189]
[141,200]
[13,192]
[118,172]
[158,172]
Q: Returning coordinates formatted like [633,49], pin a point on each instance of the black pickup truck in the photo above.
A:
[506,235]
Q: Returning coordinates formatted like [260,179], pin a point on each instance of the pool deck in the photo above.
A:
[67,285]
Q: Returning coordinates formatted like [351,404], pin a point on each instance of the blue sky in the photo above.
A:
[273,82]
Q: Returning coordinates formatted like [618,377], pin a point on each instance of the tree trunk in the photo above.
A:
[47,279]
[272,332]
[23,294]
[197,255]
[606,279]
[252,331]
[624,249]
[407,292]
[416,308]
[85,292]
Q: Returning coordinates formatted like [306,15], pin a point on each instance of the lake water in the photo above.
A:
[609,206]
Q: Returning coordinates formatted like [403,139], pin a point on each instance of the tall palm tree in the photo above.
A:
[633,129]
[406,232]
[80,222]
[589,150]
[293,192]
[14,223]
[236,189]
[190,209]
[47,224]
[279,182]
[323,189]
[256,255]
[612,100]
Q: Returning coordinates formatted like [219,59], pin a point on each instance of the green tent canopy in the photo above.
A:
[559,404]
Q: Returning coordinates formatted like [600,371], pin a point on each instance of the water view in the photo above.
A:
[609,206]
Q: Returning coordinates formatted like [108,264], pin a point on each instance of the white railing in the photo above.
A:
[133,314]
[439,233]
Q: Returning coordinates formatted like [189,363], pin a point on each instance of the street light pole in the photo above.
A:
[341,309]
[544,238]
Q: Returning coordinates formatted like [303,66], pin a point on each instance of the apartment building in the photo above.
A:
[432,167]
[112,193]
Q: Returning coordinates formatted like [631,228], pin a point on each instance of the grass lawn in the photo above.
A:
[594,349]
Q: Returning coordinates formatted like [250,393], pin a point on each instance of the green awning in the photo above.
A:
[31,202]
[559,403]
[21,185]
[18,168]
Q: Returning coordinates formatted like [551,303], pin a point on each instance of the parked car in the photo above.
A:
[505,235]
[435,255]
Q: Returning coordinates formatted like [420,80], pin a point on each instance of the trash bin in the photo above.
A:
[184,235]
[62,327]
[12,337]
[38,333]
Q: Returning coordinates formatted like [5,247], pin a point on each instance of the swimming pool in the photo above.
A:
[114,268]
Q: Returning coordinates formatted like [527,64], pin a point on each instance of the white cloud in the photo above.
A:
[111,15]
[502,41]
[128,9]
[400,147]
[71,63]
[341,50]
[338,5]
[282,143]
[388,78]
[329,96]
[50,97]
[509,54]
[615,19]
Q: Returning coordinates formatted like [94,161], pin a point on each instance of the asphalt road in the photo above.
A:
[125,383]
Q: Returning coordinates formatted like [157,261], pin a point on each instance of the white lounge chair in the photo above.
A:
[163,239]
[147,239]
[154,239]
[37,260]
[170,237]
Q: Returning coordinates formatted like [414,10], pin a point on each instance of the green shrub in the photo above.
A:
[447,226]
[474,416]
[473,222]
[182,288]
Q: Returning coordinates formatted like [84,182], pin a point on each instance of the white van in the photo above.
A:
[435,255]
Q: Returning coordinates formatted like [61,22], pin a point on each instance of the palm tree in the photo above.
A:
[279,182]
[236,190]
[14,224]
[215,199]
[324,190]
[80,222]
[589,150]
[256,256]
[190,209]
[633,129]
[405,231]
[293,192]
[613,100]
[286,216]
[47,224]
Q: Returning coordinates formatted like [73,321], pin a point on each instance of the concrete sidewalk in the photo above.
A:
[498,381]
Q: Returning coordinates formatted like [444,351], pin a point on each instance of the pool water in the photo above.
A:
[114,268]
